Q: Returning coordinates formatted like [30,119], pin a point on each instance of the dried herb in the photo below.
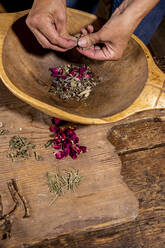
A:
[59,182]
[20,148]
[3,131]
[72,82]
[73,179]
[37,156]
[49,144]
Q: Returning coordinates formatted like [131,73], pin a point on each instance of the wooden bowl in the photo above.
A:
[132,84]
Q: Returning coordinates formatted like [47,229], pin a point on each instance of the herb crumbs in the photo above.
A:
[20,148]
[3,131]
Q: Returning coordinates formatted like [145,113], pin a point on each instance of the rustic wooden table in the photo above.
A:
[109,209]
[121,201]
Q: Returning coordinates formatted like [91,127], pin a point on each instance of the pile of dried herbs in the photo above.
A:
[59,182]
[20,149]
[72,82]
[65,140]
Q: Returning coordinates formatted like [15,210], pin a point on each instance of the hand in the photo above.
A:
[47,21]
[114,36]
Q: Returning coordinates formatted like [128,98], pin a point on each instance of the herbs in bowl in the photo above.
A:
[71,82]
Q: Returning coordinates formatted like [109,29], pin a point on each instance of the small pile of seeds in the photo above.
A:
[72,82]
[59,182]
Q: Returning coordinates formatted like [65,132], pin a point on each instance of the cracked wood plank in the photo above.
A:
[144,173]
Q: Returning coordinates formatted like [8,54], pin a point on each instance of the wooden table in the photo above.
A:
[136,150]
[126,162]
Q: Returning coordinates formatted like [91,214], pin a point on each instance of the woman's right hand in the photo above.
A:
[47,21]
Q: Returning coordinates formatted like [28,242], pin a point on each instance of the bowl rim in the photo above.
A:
[144,101]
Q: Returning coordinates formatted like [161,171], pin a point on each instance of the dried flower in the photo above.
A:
[65,140]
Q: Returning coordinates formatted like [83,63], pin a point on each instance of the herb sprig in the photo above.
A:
[3,131]
[59,182]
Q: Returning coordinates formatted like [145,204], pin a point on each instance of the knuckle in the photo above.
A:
[28,22]
[33,21]
[61,18]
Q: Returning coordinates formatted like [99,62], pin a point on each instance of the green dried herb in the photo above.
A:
[20,148]
[37,156]
[59,182]
[99,147]
[48,144]
[73,179]
[3,131]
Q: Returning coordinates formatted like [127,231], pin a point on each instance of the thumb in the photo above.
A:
[88,40]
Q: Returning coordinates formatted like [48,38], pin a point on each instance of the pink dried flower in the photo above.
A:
[59,155]
[82,70]
[66,140]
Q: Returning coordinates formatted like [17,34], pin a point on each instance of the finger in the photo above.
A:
[89,40]
[93,53]
[84,31]
[45,43]
[90,28]
[51,34]
[97,53]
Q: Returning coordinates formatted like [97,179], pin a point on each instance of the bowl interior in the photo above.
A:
[27,65]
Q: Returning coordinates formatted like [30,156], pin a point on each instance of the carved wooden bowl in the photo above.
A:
[132,84]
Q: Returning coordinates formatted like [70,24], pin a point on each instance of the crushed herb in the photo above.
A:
[48,143]
[59,182]
[3,131]
[20,148]
[72,82]
[37,156]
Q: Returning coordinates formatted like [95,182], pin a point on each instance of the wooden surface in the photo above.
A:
[136,144]
[140,145]
[107,103]
[103,199]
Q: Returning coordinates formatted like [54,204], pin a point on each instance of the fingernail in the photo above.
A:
[82,42]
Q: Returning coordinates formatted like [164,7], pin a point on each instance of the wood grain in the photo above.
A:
[144,172]
[102,199]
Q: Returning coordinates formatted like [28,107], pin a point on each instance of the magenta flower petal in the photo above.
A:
[82,70]
[83,148]
[72,72]
[79,76]
[56,146]
[63,77]
[73,154]
[61,71]
[53,128]
[60,155]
